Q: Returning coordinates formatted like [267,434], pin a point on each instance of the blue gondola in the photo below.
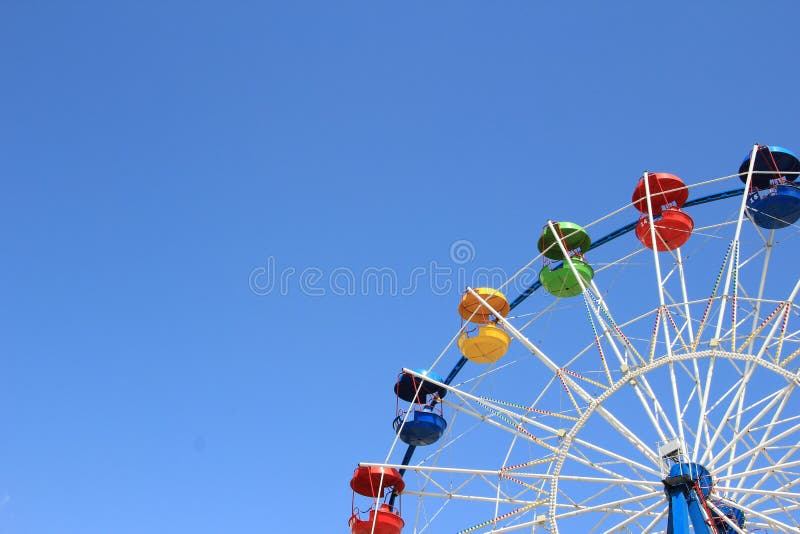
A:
[733,514]
[423,427]
[776,207]
[773,201]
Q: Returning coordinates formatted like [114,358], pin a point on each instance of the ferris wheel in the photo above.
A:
[647,384]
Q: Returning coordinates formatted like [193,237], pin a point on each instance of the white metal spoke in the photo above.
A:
[771,493]
[477,498]
[635,517]
[784,509]
[733,260]
[769,469]
[764,438]
[746,378]
[656,520]
[767,476]
[753,421]
[613,506]
[758,450]
[762,282]
[702,422]
[662,306]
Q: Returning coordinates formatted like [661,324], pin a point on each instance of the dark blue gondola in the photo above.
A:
[406,386]
[773,201]
[771,159]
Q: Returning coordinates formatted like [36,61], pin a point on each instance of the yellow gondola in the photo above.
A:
[489,345]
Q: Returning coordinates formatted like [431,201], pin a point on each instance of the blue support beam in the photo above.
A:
[686,486]
[700,519]
[685,507]
[678,522]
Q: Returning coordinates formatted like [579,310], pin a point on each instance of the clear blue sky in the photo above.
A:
[154,155]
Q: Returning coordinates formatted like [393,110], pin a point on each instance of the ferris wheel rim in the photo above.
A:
[643,370]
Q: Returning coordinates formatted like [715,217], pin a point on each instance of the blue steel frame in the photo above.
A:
[685,505]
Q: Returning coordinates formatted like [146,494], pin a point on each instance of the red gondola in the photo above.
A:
[672,226]
[377,483]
